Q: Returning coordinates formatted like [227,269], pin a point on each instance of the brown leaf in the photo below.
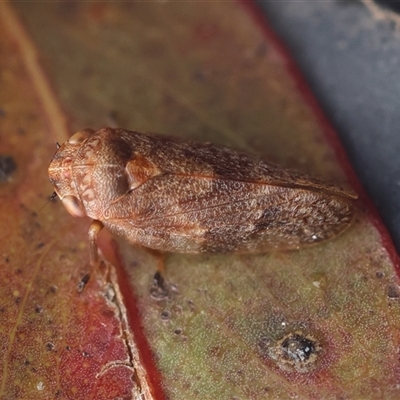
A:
[321,322]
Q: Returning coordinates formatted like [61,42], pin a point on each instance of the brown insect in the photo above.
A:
[179,196]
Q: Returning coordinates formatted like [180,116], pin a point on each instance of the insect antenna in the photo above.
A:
[51,198]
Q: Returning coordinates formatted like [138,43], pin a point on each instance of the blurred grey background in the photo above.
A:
[349,52]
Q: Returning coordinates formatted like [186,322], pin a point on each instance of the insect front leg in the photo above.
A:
[95,228]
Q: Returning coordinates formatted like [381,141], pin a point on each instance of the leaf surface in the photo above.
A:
[321,322]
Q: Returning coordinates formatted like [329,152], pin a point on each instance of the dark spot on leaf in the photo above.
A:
[165,315]
[53,289]
[40,245]
[7,167]
[298,347]
[38,309]
[50,346]
[295,352]
[393,291]
[85,354]
[2,112]
[379,274]
[191,305]
[68,348]
[178,331]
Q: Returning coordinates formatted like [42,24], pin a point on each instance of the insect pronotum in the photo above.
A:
[180,196]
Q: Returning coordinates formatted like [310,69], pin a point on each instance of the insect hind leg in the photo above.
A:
[159,290]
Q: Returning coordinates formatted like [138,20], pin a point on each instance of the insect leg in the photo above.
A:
[83,282]
[158,279]
[95,228]
[159,290]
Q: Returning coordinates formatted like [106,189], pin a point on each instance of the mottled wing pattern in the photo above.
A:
[191,197]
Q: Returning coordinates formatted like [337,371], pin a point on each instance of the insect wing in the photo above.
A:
[192,214]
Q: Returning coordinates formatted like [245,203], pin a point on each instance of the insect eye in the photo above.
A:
[80,136]
[74,206]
